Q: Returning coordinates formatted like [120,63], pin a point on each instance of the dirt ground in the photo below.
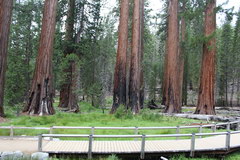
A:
[2,120]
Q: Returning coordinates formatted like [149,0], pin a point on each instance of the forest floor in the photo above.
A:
[2,120]
[91,116]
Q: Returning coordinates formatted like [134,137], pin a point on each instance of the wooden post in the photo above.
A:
[90,146]
[40,143]
[192,145]
[228,136]
[177,132]
[143,147]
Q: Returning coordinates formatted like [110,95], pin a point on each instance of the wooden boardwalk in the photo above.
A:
[151,146]
[214,143]
[139,145]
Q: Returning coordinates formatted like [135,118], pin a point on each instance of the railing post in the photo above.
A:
[136,132]
[90,146]
[200,129]
[228,126]
[142,156]
[92,131]
[192,145]
[228,136]
[214,128]
[51,132]
[40,143]
[11,132]
[177,132]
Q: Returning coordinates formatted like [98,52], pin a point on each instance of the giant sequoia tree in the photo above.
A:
[172,90]
[68,97]
[141,52]
[40,100]
[207,80]
[119,91]
[182,53]
[134,83]
[5,21]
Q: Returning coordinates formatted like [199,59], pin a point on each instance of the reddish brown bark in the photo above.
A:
[207,80]
[165,75]
[134,84]
[172,89]
[119,91]
[68,97]
[165,82]
[40,99]
[181,53]
[141,94]
[5,21]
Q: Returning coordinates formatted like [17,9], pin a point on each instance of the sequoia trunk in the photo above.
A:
[134,84]
[141,94]
[207,80]
[40,100]
[119,91]
[5,21]
[68,97]
[173,90]
[181,55]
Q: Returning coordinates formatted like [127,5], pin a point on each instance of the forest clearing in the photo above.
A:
[127,79]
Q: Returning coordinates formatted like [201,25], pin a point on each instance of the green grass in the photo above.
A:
[91,116]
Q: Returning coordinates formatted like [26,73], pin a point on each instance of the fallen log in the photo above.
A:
[152,105]
[205,117]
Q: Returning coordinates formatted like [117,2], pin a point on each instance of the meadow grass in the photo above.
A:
[93,117]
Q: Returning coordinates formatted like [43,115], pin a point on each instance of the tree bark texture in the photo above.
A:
[119,90]
[165,72]
[207,80]
[173,90]
[5,21]
[182,54]
[68,97]
[40,101]
[141,94]
[165,75]
[134,84]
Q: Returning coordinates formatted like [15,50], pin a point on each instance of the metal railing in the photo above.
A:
[136,130]
[143,140]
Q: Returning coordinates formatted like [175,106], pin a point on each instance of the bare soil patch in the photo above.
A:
[2,120]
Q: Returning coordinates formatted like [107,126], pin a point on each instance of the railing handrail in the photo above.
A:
[17,127]
[135,129]
[122,128]
[137,136]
